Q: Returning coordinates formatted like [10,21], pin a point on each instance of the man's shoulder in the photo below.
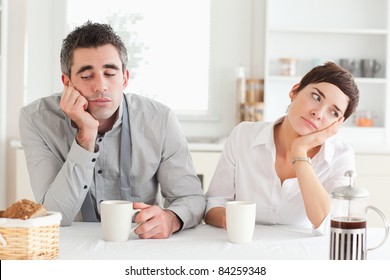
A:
[50,102]
[139,103]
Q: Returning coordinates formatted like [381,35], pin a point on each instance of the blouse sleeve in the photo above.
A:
[222,185]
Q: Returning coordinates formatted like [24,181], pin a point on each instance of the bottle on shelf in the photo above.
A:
[240,91]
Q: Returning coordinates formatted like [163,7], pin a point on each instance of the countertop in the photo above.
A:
[217,146]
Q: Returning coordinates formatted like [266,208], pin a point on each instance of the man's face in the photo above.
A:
[97,74]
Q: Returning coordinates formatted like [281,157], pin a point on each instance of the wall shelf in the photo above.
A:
[356,30]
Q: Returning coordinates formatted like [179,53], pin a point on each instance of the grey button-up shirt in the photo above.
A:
[62,173]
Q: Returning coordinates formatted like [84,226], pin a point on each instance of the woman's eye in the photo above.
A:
[316,96]
[335,113]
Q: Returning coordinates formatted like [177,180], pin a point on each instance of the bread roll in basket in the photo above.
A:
[28,231]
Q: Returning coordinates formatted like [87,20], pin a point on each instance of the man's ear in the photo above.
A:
[292,91]
[65,80]
[126,77]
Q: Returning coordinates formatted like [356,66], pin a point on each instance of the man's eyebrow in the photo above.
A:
[111,66]
[323,96]
[84,68]
[89,67]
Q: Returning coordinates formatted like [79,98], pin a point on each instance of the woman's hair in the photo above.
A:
[336,75]
[90,35]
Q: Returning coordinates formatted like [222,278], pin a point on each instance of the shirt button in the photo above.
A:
[100,171]
[85,187]
[94,159]
[100,140]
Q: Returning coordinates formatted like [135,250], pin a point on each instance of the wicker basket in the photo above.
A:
[33,239]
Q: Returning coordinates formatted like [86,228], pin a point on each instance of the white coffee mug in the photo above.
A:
[240,221]
[116,219]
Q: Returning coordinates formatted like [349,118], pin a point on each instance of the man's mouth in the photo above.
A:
[101,101]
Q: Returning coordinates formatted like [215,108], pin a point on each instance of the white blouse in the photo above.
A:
[246,171]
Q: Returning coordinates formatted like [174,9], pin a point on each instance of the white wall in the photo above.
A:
[13,94]
[43,42]
[3,105]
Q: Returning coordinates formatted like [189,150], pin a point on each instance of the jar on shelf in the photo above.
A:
[253,112]
[364,118]
[254,90]
[288,66]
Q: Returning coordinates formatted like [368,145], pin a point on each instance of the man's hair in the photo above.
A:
[336,75]
[90,35]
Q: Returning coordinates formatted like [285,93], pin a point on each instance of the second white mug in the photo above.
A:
[240,221]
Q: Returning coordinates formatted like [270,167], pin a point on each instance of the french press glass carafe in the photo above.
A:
[348,222]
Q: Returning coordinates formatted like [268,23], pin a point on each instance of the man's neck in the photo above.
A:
[106,125]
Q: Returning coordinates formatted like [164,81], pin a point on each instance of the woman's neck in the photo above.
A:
[284,136]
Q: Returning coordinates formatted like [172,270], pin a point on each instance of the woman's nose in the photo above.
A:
[317,114]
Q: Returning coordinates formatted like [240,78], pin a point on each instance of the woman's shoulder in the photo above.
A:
[249,131]
[246,125]
[251,128]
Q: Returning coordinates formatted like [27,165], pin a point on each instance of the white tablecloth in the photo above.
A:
[84,241]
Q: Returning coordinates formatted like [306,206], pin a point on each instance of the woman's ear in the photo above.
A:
[292,91]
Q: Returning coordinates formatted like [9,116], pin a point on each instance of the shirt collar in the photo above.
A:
[119,116]
[266,135]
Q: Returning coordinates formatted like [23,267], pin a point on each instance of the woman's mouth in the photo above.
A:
[309,123]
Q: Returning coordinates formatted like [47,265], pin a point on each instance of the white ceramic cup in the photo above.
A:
[240,221]
[116,219]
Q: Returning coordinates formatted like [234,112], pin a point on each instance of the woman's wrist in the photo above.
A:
[301,159]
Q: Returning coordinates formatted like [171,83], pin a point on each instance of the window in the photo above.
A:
[168,46]
[183,53]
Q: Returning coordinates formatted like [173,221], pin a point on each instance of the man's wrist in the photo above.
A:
[177,223]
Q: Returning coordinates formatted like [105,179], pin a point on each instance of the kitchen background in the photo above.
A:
[193,56]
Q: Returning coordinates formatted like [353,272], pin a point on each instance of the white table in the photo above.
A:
[83,241]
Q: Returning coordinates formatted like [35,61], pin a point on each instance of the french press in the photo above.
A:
[348,222]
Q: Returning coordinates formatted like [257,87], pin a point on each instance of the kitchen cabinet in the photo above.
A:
[312,32]
[205,164]
[373,174]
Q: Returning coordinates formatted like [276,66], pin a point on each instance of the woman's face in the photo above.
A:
[316,107]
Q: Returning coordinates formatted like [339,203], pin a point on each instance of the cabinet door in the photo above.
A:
[373,174]
[205,165]
[312,32]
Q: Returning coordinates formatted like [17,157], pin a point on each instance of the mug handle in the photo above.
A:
[386,223]
[135,212]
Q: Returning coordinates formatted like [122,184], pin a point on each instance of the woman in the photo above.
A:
[289,167]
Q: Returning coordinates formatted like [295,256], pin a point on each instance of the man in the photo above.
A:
[93,143]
